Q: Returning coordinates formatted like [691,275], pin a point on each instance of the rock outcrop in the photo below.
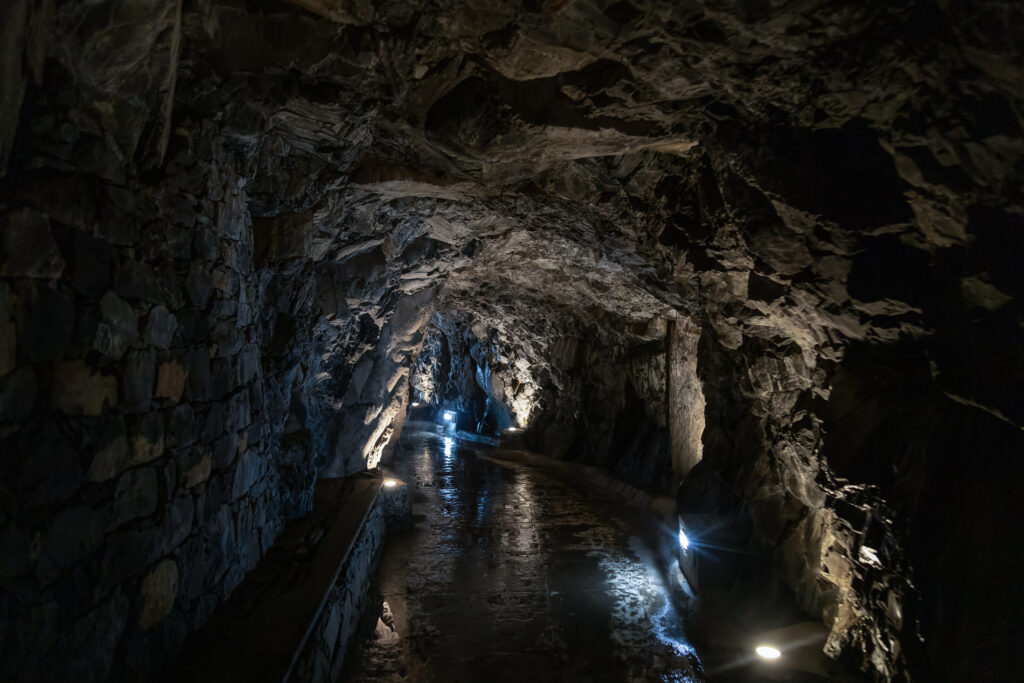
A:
[763,252]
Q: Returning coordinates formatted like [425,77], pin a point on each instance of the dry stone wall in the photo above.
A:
[149,431]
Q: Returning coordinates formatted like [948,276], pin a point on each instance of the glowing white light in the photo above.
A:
[870,556]
[522,406]
[684,542]
[448,415]
[390,483]
[767,652]
[512,429]
[415,404]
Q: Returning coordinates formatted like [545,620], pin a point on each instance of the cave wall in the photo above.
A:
[790,306]
[879,503]
[942,468]
[686,401]
[463,367]
[801,430]
[577,398]
[606,405]
[164,408]
[370,386]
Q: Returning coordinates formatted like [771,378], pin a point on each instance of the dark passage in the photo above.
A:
[511,575]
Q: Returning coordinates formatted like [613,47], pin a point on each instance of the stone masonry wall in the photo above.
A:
[145,404]
[152,369]
[165,307]
[323,655]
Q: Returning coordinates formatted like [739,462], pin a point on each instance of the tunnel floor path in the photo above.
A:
[512,575]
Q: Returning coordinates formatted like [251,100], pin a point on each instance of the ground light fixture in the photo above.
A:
[390,483]
[767,652]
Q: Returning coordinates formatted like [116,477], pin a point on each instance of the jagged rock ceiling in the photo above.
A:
[677,147]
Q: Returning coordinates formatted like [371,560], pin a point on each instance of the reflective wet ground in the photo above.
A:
[512,575]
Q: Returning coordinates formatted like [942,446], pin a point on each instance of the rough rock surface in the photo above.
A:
[226,226]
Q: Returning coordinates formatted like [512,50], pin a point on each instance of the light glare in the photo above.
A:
[390,483]
[767,652]
[684,542]
[448,415]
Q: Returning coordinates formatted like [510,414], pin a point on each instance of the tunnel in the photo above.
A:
[544,340]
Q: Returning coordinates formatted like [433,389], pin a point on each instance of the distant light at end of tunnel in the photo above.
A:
[390,483]
[767,652]
[448,415]
[684,541]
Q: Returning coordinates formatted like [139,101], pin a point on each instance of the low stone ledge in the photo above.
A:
[323,652]
[293,614]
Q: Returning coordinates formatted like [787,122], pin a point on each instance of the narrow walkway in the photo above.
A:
[512,575]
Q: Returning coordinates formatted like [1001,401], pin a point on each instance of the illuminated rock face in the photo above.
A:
[763,259]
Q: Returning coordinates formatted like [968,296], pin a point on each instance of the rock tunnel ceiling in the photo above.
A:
[762,256]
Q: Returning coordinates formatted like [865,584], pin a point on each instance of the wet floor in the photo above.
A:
[512,575]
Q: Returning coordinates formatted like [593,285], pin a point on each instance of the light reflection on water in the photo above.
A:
[510,521]
[642,605]
[525,530]
[643,617]
[448,483]
[421,464]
